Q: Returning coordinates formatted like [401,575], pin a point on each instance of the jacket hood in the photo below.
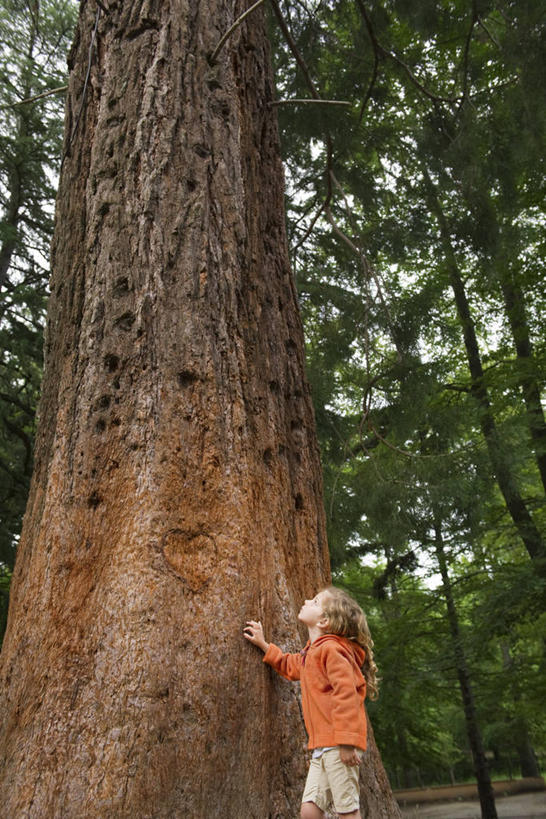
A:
[354,649]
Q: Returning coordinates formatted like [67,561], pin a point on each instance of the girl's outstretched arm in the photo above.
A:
[287,665]
[255,634]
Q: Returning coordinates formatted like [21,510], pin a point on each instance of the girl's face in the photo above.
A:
[312,610]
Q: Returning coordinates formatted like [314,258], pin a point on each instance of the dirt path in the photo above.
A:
[519,806]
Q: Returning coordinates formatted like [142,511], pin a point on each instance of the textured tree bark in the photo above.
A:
[177,485]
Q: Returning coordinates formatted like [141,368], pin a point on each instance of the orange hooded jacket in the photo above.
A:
[333,688]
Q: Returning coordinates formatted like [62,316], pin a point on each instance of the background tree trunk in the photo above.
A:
[502,469]
[177,485]
[473,732]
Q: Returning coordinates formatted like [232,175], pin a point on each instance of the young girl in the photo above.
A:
[336,670]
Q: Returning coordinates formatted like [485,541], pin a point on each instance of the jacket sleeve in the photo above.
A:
[287,665]
[347,704]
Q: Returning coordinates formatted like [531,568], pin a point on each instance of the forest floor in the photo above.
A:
[517,806]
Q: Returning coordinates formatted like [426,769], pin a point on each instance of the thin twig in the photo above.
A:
[368,269]
[370,87]
[380,50]
[41,96]
[293,47]
[377,51]
[310,84]
[467,53]
[493,40]
[420,86]
[232,28]
[309,229]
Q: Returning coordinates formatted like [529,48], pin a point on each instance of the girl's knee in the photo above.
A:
[310,811]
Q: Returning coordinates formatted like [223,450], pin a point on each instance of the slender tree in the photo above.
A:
[177,486]
[485,790]
[504,474]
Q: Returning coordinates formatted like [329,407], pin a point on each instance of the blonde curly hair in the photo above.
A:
[346,619]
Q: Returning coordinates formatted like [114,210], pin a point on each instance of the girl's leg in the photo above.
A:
[355,814]
[311,811]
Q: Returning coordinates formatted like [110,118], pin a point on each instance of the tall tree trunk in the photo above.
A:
[514,304]
[177,485]
[15,192]
[522,741]
[485,790]
[506,480]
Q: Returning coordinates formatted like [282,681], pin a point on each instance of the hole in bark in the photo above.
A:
[298,500]
[125,322]
[111,362]
[103,402]
[201,150]
[192,184]
[226,112]
[121,287]
[100,426]
[282,449]
[297,424]
[186,378]
[268,456]
[213,83]
[104,208]
[116,422]
[116,387]
[144,24]
[274,386]
[94,499]
[291,345]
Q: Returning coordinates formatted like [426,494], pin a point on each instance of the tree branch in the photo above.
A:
[296,101]
[41,96]
[467,52]
[231,29]
[293,47]
[380,50]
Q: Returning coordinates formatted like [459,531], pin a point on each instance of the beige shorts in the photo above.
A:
[331,781]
